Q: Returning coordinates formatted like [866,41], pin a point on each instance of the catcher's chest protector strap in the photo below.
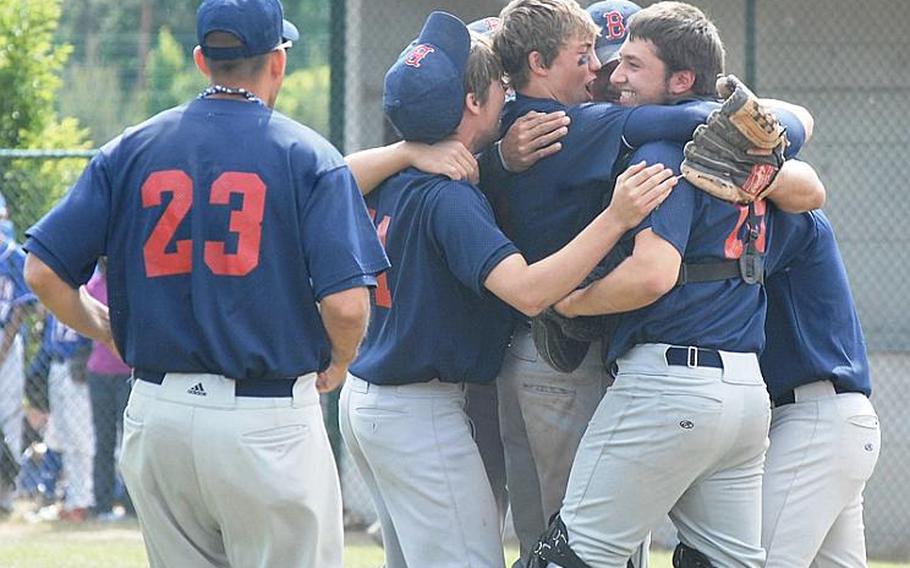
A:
[750,266]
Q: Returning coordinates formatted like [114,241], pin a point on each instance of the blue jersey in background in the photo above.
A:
[13,290]
[61,342]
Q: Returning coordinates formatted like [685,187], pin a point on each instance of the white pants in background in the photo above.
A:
[413,446]
[71,432]
[12,411]
[824,448]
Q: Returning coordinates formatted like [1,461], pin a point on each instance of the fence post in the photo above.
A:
[337,68]
[750,45]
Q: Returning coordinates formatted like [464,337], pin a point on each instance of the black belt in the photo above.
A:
[789,397]
[259,388]
[694,357]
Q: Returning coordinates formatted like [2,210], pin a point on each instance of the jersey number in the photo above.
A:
[246,222]
[734,245]
[383,293]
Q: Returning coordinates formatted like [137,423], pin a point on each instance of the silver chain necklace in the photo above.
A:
[222,90]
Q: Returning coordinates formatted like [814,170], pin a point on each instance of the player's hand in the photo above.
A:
[532,137]
[332,378]
[449,158]
[639,190]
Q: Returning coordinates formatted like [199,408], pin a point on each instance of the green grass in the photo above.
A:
[93,545]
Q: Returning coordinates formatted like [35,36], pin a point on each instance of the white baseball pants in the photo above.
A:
[220,480]
[824,448]
[412,444]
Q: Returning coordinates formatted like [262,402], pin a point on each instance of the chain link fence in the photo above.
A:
[849,65]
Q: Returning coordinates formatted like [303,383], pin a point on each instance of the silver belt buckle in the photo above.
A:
[692,356]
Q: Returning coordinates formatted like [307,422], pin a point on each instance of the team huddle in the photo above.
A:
[585,214]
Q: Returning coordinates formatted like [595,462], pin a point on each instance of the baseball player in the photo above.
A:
[14,298]
[438,323]
[682,430]
[825,435]
[239,259]
[69,429]
[543,413]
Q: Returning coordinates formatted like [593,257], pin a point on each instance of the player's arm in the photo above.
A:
[373,166]
[345,315]
[638,281]
[798,188]
[11,329]
[532,288]
[801,113]
[73,307]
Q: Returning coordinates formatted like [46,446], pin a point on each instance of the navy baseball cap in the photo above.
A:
[259,24]
[423,94]
[612,17]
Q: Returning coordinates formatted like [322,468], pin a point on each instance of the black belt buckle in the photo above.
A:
[694,357]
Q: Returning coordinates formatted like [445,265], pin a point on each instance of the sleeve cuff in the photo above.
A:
[359,281]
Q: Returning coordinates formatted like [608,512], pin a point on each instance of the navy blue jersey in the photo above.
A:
[726,315]
[813,332]
[433,317]
[543,208]
[61,341]
[224,223]
[13,290]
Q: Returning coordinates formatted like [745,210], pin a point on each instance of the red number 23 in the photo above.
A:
[246,222]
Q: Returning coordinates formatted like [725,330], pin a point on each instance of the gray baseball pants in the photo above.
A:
[414,449]
[543,415]
[824,448]
[677,440]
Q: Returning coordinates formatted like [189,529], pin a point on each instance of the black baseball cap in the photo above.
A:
[258,24]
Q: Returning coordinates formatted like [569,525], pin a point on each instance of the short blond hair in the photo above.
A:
[544,26]
[484,67]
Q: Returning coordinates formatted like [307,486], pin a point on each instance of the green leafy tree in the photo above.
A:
[30,67]
[171,79]
[305,97]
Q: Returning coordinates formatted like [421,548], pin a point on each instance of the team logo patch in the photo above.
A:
[492,24]
[416,55]
[614,27]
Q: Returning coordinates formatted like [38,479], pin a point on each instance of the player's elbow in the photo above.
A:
[818,196]
[657,281]
[530,306]
[347,309]
[39,277]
